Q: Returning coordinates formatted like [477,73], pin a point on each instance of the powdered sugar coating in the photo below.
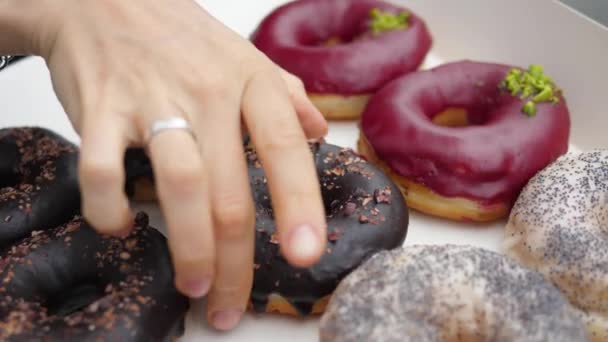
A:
[447,293]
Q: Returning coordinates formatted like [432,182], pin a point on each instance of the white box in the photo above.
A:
[572,48]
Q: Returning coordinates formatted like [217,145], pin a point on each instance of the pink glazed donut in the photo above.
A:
[343,50]
[461,140]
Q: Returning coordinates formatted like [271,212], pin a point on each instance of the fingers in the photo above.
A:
[232,212]
[101,173]
[311,119]
[287,161]
[181,183]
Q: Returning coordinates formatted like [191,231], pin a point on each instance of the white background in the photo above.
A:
[573,50]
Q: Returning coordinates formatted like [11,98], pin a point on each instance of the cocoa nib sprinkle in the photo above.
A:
[120,302]
[122,253]
[38,152]
[121,299]
[336,171]
[274,239]
[345,161]
[21,319]
[363,219]
[252,157]
[350,208]
[335,235]
[382,195]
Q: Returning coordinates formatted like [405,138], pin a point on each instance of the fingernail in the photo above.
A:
[304,242]
[227,319]
[197,288]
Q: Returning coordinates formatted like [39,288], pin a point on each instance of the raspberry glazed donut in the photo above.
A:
[343,50]
[559,226]
[365,210]
[37,167]
[462,139]
[71,284]
[448,293]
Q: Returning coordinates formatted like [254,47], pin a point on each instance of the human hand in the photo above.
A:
[119,66]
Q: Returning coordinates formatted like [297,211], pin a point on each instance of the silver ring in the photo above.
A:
[172,123]
[4,60]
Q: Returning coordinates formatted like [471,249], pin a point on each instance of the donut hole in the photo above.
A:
[345,39]
[353,27]
[8,177]
[8,180]
[457,117]
[354,24]
[452,117]
[336,40]
[74,298]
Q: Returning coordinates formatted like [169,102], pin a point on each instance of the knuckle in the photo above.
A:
[217,87]
[192,260]
[288,138]
[269,75]
[233,218]
[97,172]
[230,291]
[295,84]
[212,85]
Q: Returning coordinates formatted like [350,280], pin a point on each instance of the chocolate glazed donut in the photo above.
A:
[71,284]
[366,213]
[38,181]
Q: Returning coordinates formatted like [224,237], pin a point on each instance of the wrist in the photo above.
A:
[27,26]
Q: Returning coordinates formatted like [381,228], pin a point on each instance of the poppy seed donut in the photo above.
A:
[559,226]
[447,293]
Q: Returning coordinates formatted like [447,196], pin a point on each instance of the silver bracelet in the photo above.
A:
[4,60]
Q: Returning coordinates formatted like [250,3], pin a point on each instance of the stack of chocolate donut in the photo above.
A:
[59,279]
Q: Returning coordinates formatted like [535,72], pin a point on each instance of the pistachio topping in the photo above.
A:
[532,84]
[387,21]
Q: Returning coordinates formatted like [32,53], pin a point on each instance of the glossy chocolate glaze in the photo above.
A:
[366,213]
[488,161]
[71,284]
[38,181]
[293,36]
